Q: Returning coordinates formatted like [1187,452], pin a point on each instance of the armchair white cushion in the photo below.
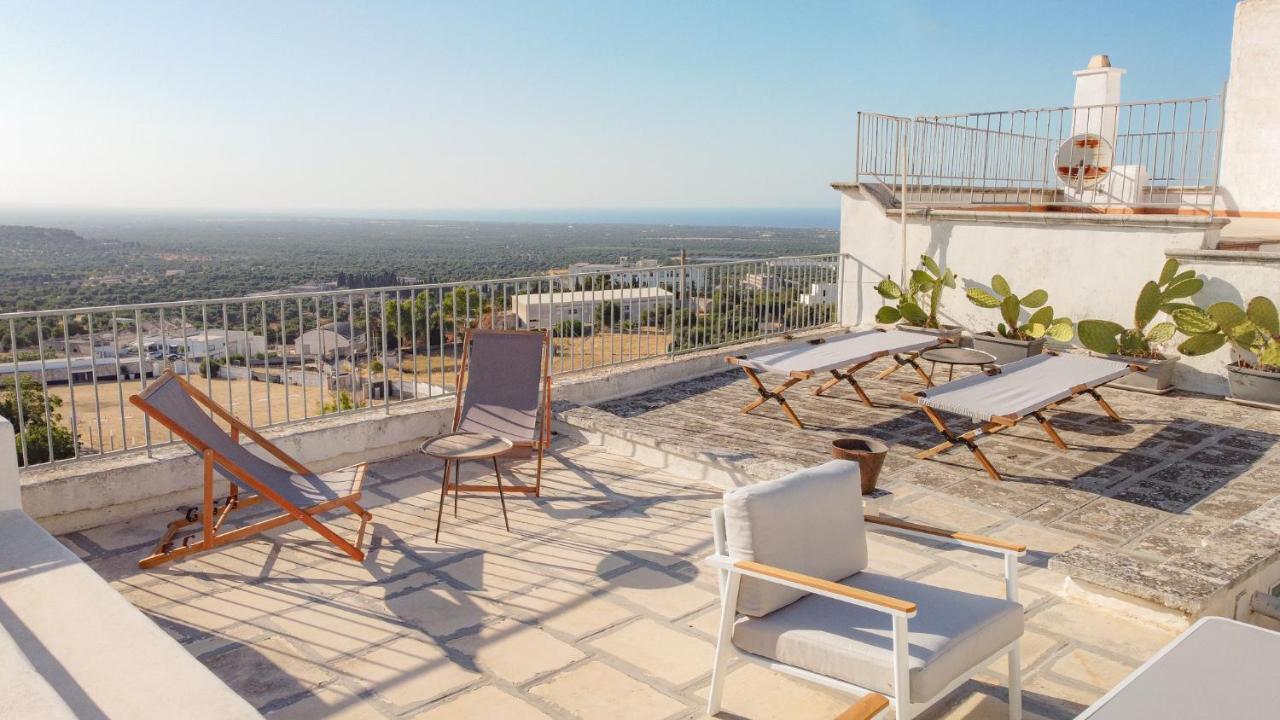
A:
[808,522]
[951,633]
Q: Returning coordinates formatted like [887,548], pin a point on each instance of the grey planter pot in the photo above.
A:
[1158,379]
[1254,387]
[952,332]
[1005,350]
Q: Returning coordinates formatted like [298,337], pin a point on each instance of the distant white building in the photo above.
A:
[340,338]
[630,273]
[199,344]
[761,281]
[820,294]
[545,310]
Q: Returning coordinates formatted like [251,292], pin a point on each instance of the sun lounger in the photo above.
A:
[840,355]
[300,493]
[1000,397]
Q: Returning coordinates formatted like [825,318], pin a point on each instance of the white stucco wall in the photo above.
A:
[1251,135]
[1090,268]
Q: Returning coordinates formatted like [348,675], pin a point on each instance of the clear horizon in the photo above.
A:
[818,218]
[329,107]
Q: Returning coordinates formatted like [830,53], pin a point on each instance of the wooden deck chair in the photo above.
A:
[1000,397]
[504,389]
[841,355]
[299,492]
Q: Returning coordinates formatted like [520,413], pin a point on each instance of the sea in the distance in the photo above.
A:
[822,218]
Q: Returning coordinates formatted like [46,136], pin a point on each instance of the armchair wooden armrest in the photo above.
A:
[825,587]
[963,538]
[867,707]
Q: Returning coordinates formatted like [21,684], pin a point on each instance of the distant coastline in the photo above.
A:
[817,218]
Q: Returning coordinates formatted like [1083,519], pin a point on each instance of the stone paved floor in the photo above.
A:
[1170,505]
[595,606]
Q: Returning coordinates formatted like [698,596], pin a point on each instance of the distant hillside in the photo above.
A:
[26,237]
[126,259]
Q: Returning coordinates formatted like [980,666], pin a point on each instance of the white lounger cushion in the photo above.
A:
[808,522]
[951,633]
[1022,387]
[836,351]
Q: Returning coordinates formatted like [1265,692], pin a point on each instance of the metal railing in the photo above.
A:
[1159,156]
[273,359]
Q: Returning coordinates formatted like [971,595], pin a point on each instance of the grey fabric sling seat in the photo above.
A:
[841,355]
[1001,397]
[796,597]
[300,493]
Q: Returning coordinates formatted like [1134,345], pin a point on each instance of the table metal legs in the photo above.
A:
[456,485]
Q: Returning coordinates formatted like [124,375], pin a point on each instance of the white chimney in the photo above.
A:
[1098,84]
[1095,113]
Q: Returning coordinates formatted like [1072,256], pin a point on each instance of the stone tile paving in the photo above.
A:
[1172,505]
[595,606]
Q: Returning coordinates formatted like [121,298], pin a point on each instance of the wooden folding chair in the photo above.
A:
[840,355]
[504,389]
[999,398]
[300,493]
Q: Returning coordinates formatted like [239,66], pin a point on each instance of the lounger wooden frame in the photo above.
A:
[211,515]
[1000,423]
[539,445]
[837,376]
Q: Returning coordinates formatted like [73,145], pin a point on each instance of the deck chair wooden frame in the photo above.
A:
[538,446]
[213,513]
[1000,423]
[837,376]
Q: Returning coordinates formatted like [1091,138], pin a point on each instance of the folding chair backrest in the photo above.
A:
[169,397]
[503,385]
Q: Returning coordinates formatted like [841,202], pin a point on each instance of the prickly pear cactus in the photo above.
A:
[1253,330]
[1142,339]
[924,290]
[1040,323]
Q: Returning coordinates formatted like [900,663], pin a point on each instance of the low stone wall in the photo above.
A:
[83,494]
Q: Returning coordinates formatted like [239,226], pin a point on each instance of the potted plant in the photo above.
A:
[1014,339]
[1254,333]
[869,453]
[924,290]
[1139,345]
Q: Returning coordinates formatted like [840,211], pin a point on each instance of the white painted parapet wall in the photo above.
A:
[72,647]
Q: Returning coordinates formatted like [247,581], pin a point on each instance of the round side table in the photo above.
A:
[953,356]
[453,449]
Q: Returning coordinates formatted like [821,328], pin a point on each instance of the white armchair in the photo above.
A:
[796,597]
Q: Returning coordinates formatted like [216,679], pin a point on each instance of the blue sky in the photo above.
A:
[462,105]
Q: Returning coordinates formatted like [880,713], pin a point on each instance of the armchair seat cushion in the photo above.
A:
[951,633]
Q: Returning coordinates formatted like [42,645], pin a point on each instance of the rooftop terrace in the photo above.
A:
[1176,505]
[596,605]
